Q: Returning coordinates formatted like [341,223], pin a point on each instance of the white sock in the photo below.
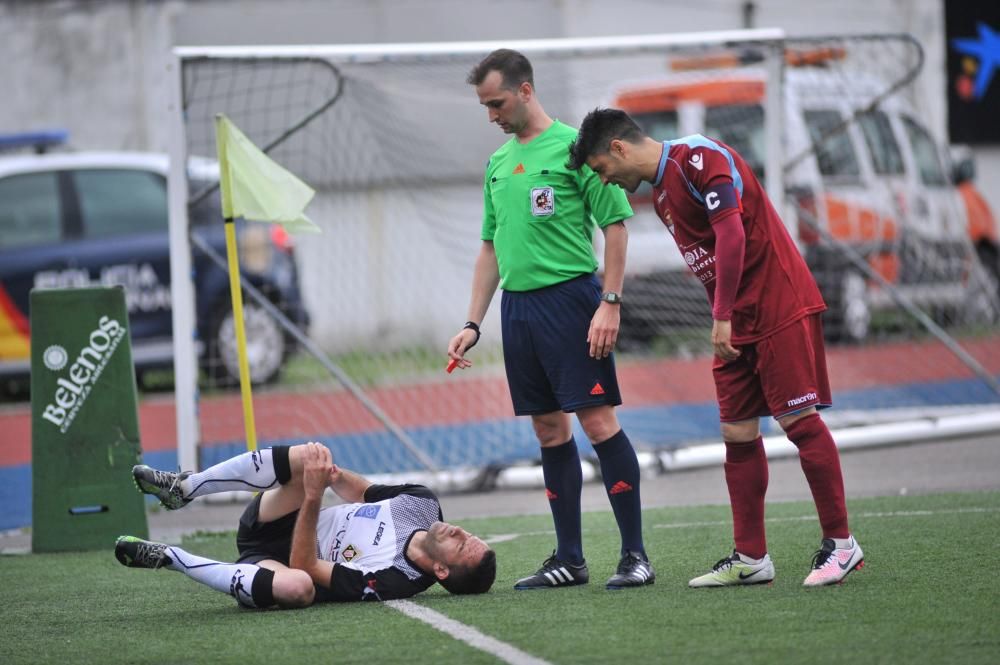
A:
[236,579]
[746,559]
[844,543]
[252,472]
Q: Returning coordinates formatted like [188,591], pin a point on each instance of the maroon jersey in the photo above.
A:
[701,181]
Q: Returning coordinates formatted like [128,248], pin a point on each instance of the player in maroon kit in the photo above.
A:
[766,331]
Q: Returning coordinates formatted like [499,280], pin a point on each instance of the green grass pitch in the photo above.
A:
[926,595]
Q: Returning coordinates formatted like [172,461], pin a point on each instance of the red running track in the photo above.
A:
[285,414]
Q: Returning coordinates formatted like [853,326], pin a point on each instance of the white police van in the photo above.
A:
[77,219]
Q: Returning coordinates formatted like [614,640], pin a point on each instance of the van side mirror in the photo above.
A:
[963,170]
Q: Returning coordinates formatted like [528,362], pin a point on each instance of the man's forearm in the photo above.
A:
[730,247]
[615,249]
[485,279]
[350,486]
[303,555]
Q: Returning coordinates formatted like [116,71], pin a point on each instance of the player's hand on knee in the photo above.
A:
[335,475]
[316,471]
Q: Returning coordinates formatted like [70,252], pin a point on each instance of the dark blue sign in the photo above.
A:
[973,42]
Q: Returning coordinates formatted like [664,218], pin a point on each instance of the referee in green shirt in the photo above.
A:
[559,326]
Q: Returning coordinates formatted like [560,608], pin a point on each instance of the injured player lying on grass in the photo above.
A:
[386,542]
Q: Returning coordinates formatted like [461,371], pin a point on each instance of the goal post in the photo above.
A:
[395,144]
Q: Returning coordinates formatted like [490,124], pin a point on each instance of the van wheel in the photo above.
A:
[990,259]
[266,346]
[982,302]
[849,315]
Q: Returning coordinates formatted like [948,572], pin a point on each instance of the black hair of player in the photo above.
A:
[598,129]
[472,579]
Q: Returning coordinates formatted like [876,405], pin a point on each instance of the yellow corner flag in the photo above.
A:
[260,189]
[254,187]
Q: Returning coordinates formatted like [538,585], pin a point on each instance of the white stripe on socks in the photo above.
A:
[253,471]
[236,579]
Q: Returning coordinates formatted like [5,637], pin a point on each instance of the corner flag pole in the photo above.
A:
[235,291]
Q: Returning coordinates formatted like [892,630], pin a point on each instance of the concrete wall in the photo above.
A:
[95,69]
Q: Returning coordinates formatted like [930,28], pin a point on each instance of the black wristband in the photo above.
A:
[473,326]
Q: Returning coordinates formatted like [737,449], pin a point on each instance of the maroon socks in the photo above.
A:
[821,464]
[746,476]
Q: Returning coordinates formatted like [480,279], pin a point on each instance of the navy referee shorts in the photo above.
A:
[546,351]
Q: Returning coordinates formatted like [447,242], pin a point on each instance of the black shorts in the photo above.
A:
[546,352]
[258,540]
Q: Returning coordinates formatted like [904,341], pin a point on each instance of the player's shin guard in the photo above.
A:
[253,471]
[747,476]
[563,485]
[821,464]
[250,585]
[620,470]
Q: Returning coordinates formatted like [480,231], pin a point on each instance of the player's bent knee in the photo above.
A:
[293,588]
[296,462]
[792,418]
[744,431]
[295,455]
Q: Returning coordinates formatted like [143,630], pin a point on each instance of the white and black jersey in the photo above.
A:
[367,543]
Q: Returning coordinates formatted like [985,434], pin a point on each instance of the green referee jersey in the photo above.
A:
[540,215]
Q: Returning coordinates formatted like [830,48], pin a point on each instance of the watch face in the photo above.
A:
[611,297]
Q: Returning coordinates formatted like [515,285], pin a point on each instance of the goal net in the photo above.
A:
[395,143]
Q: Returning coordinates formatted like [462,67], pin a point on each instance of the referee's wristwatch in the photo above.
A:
[611,297]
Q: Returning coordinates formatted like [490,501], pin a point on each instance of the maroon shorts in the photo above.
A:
[775,376]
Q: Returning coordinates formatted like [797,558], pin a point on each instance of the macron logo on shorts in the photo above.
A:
[802,400]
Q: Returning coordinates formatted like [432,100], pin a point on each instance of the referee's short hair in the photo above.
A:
[513,66]
[472,579]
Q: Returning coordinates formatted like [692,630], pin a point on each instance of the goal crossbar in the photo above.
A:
[416,52]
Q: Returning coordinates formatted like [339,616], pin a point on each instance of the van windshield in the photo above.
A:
[207,207]
[832,143]
[660,125]
[740,126]
[925,152]
[877,130]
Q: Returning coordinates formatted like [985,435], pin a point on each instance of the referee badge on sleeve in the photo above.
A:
[543,201]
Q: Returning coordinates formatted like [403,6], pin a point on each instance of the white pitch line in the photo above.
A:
[511,654]
[506,537]
[467,634]
[806,518]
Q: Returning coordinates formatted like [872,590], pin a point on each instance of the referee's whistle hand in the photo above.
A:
[458,345]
